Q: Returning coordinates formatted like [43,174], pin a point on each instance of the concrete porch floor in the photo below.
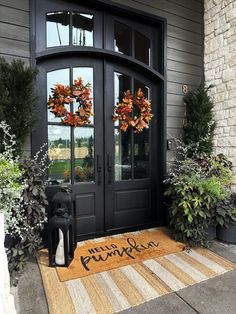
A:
[217,295]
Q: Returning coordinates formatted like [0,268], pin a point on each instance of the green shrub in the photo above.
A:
[199,122]
[17,99]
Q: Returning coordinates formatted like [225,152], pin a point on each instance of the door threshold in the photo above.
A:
[116,231]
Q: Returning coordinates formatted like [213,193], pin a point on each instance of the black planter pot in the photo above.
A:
[9,241]
[227,235]
[211,233]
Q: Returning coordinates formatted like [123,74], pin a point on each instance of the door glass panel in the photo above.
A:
[84,154]
[123,162]
[122,38]
[82,29]
[57,28]
[59,153]
[121,84]
[141,155]
[141,142]
[61,76]
[142,47]
[86,74]
[145,88]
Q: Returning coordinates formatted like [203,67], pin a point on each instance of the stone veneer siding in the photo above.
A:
[220,70]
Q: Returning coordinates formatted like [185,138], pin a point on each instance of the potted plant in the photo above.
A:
[226,218]
[220,167]
[199,181]
[192,193]
[22,202]
[194,187]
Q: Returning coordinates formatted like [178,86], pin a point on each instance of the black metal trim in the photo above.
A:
[102,53]
[163,132]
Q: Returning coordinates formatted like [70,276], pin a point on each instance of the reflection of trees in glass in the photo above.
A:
[79,142]
[141,155]
[88,160]
[59,152]
[60,143]
[84,164]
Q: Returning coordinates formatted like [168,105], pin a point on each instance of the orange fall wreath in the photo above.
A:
[133,111]
[66,95]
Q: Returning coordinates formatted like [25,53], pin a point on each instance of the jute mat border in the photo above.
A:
[123,287]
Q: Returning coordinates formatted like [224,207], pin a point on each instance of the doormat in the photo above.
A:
[127,286]
[115,251]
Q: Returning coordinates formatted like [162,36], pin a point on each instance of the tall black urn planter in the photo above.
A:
[227,235]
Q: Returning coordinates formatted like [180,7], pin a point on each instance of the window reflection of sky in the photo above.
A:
[57,33]
[58,131]
[58,25]
[81,35]
[61,76]
[86,74]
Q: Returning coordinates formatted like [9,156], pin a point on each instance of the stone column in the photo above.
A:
[220,70]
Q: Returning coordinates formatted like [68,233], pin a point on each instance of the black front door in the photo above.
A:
[131,171]
[113,174]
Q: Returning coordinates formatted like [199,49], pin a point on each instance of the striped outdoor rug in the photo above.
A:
[121,288]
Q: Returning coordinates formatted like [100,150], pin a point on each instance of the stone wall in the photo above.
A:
[220,70]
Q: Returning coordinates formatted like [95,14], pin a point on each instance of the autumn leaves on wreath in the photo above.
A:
[63,95]
[131,111]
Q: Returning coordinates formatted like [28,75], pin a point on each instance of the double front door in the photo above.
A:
[114,175]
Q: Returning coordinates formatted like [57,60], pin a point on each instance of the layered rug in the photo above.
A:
[117,272]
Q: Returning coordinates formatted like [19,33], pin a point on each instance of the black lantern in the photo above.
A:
[63,199]
[61,235]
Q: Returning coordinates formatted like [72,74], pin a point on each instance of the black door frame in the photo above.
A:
[40,55]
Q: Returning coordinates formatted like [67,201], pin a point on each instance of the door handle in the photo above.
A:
[109,168]
[99,169]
